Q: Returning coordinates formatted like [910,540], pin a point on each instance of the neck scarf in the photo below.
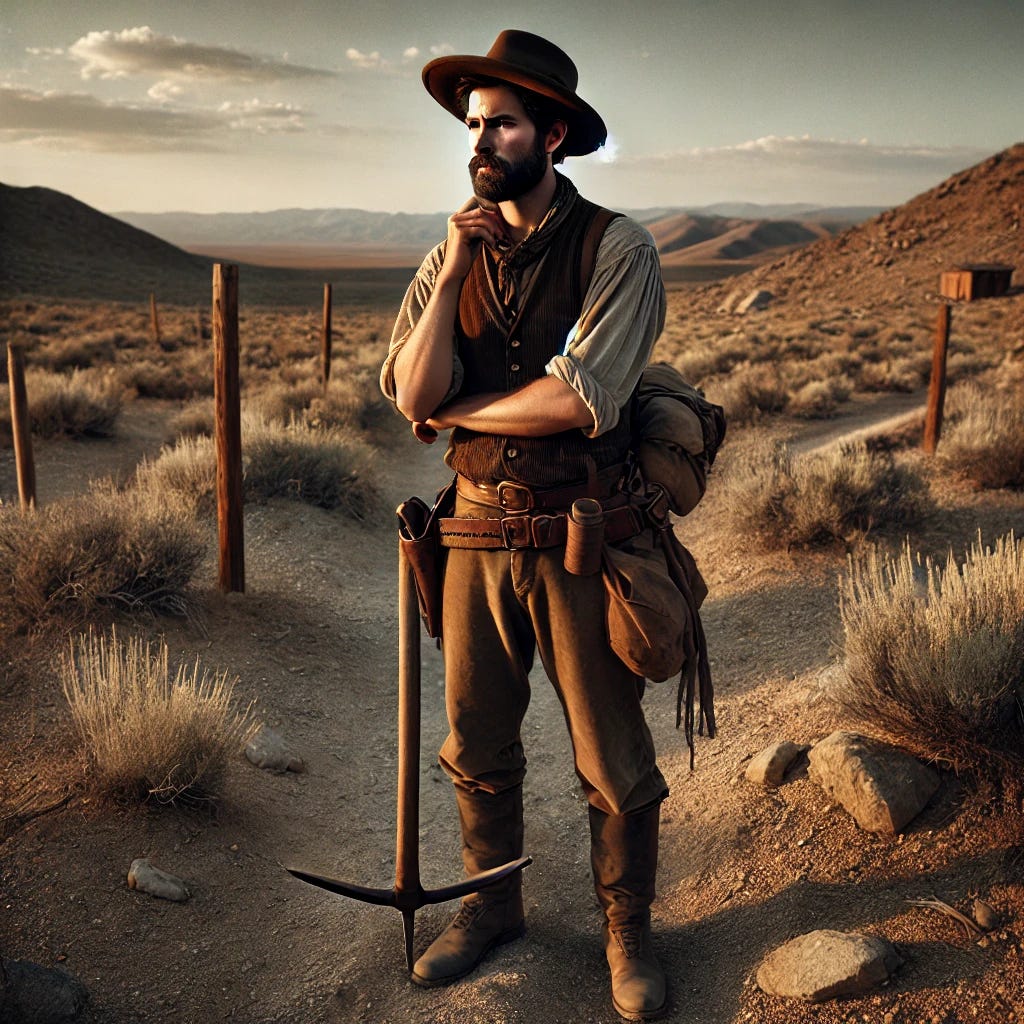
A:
[512,260]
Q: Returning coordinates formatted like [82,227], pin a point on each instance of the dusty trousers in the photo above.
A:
[500,608]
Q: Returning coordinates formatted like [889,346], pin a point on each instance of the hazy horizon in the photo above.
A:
[153,107]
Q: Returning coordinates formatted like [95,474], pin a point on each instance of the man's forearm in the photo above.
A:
[423,367]
[542,407]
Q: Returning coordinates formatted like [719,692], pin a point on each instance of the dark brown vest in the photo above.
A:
[502,349]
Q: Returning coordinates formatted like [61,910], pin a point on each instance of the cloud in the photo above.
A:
[141,52]
[263,118]
[410,53]
[442,49]
[365,60]
[803,167]
[74,121]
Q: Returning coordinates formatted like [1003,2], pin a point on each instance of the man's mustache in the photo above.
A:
[493,162]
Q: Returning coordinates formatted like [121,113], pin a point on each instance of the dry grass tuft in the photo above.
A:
[324,467]
[321,466]
[934,656]
[145,733]
[838,495]
[109,549]
[85,403]
[984,436]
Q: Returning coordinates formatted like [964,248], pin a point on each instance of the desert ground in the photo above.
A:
[313,641]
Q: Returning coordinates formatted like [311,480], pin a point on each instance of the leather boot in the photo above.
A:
[492,835]
[624,858]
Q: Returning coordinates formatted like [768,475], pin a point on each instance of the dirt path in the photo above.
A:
[314,640]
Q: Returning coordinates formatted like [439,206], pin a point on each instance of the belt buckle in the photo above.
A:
[513,497]
[516,532]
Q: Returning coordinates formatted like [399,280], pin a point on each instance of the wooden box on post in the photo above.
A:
[975,281]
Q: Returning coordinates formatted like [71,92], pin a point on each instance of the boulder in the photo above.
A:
[826,964]
[883,788]
[768,767]
[757,299]
[31,994]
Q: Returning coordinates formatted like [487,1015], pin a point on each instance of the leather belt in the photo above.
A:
[517,532]
[516,497]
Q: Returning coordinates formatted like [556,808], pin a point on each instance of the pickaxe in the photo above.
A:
[408,895]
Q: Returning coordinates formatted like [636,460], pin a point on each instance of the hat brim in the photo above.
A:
[587,131]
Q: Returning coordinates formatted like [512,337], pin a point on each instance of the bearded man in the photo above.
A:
[532,368]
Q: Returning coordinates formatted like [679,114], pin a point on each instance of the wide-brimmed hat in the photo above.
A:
[529,62]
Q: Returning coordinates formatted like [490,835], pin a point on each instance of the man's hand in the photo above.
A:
[467,228]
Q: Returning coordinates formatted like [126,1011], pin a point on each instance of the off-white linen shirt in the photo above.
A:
[608,347]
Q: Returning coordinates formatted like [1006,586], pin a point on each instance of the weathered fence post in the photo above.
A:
[154,319]
[227,403]
[20,427]
[325,339]
[937,385]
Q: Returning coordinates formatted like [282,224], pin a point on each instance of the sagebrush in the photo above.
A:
[934,656]
[147,733]
[768,493]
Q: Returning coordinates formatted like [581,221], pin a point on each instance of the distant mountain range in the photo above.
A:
[341,227]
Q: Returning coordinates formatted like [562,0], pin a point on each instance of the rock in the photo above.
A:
[826,964]
[768,767]
[269,750]
[884,789]
[757,299]
[31,994]
[146,878]
[729,302]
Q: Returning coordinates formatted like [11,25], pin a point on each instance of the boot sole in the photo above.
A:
[499,940]
[657,1014]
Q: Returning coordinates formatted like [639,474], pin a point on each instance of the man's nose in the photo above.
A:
[482,141]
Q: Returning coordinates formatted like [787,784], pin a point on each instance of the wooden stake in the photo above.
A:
[154,319]
[937,385]
[21,428]
[228,413]
[325,342]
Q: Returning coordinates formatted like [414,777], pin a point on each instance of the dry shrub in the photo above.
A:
[934,657]
[145,733]
[282,401]
[902,375]
[819,399]
[837,495]
[184,473]
[76,352]
[323,467]
[194,420]
[984,436]
[353,402]
[109,549]
[85,403]
[749,392]
[174,381]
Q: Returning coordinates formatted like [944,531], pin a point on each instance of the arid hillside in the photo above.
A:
[976,216]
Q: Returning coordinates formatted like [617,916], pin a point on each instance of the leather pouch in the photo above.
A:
[647,618]
[419,535]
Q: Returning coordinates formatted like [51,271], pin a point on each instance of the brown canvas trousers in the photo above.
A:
[499,608]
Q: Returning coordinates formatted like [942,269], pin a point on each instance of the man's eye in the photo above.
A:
[472,125]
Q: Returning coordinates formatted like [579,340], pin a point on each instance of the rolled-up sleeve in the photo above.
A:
[416,298]
[623,314]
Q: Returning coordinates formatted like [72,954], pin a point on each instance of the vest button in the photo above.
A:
[514,367]
[512,453]
[515,344]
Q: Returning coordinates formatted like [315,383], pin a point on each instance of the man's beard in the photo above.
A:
[508,180]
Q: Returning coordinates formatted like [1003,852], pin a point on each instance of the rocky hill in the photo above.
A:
[976,216]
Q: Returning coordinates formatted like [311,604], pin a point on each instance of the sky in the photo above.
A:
[156,106]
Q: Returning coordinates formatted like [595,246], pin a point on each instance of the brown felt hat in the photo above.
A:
[529,62]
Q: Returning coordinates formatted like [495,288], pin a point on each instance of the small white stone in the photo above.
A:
[146,878]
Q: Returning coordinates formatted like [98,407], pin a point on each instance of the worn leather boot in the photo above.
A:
[492,835]
[624,858]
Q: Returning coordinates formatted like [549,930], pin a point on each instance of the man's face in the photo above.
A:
[510,157]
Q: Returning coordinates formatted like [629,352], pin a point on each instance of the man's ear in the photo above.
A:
[555,136]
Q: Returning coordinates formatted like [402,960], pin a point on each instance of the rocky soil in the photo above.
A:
[313,639]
